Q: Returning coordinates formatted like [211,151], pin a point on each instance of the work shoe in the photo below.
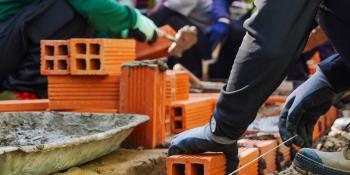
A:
[312,161]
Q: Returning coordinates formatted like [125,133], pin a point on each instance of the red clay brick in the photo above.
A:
[100,56]
[84,93]
[276,99]
[177,86]
[190,113]
[201,164]
[211,163]
[247,155]
[263,146]
[24,105]
[158,49]
[142,90]
[54,57]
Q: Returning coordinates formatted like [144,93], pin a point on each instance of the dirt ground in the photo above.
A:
[124,162]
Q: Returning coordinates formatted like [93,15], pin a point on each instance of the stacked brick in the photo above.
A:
[84,74]
[55,57]
[142,91]
[84,93]
[100,56]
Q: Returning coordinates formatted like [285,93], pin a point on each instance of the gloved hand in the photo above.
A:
[144,29]
[304,107]
[200,140]
[219,32]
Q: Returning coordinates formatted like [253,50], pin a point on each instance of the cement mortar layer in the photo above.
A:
[28,129]
[148,63]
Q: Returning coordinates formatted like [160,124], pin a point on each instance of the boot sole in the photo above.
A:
[308,165]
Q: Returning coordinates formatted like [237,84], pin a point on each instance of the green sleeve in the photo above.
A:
[106,16]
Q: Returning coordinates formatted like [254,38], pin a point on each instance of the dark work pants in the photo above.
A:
[276,36]
[20,42]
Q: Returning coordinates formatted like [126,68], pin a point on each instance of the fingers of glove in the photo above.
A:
[302,135]
[137,34]
[190,146]
[309,133]
[232,159]
[285,135]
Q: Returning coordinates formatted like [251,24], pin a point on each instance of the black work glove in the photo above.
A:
[200,140]
[303,108]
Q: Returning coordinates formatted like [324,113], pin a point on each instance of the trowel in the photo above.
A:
[168,43]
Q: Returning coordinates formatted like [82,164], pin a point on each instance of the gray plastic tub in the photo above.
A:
[44,142]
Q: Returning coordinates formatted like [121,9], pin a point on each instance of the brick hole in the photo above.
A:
[49,64]
[178,124]
[95,49]
[177,111]
[81,64]
[197,169]
[80,48]
[62,65]
[49,50]
[95,64]
[178,169]
[62,50]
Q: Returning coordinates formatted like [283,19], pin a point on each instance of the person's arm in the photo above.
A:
[106,16]
[220,9]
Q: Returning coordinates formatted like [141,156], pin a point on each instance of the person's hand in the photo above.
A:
[200,140]
[303,108]
[143,30]
[219,32]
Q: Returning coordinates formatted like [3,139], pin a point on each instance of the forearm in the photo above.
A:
[274,40]
[220,9]
[106,16]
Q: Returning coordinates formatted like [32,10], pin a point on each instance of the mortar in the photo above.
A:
[37,143]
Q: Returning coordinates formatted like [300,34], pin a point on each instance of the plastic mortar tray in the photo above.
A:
[39,143]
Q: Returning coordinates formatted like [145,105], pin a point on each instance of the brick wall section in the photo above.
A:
[247,155]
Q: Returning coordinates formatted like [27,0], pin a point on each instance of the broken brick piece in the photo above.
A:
[100,56]
[84,93]
[142,89]
[24,105]
[191,113]
[54,57]
[201,164]
[276,99]
[264,146]
[155,50]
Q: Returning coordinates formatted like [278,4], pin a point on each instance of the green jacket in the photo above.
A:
[106,16]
